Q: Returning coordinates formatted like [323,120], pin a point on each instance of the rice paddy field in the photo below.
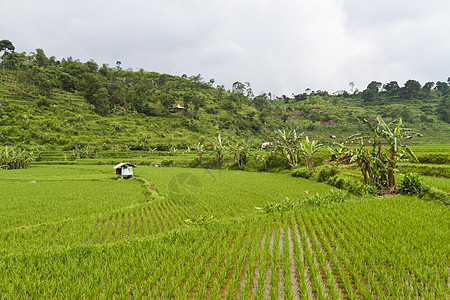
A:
[74,231]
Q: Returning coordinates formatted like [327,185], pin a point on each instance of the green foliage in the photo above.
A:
[412,185]
[325,174]
[11,158]
[334,196]
[317,199]
[204,220]
[378,167]
[275,207]
[339,182]
[307,149]
[301,173]
[70,101]
[364,190]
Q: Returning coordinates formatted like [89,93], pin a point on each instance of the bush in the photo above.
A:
[339,182]
[301,173]
[325,174]
[366,189]
[277,163]
[412,185]
[11,158]
[167,163]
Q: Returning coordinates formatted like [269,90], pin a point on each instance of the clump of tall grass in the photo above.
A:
[11,158]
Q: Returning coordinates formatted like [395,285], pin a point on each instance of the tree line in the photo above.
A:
[115,90]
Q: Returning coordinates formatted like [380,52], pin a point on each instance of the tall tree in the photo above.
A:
[442,87]
[6,45]
[391,88]
[40,58]
[370,94]
[411,88]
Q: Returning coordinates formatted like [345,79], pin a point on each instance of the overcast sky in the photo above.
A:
[279,46]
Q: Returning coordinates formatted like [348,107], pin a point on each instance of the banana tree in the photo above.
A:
[307,149]
[261,157]
[288,144]
[338,153]
[373,169]
[200,148]
[391,133]
[240,152]
[219,150]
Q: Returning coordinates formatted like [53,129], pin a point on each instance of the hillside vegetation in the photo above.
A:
[50,104]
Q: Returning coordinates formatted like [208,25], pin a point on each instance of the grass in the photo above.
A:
[78,233]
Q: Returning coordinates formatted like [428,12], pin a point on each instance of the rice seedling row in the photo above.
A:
[146,249]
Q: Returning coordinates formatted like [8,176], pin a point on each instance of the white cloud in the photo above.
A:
[280,46]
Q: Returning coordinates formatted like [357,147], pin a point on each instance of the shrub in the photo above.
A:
[279,163]
[167,162]
[301,173]
[367,189]
[338,182]
[325,174]
[412,184]
[11,158]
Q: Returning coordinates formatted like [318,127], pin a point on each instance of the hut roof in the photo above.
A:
[178,106]
[125,164]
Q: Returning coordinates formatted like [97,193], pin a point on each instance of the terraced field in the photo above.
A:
[95,237]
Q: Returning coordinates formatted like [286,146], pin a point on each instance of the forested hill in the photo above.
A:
[50,103]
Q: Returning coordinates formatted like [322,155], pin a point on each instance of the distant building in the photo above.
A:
[124,169]
[178,108]
[266,145]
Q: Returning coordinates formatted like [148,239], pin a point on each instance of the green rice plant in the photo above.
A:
[219,285]
[322,259]
[288,263]
[105,232]
[264,262]
[426,169]
[275,262]
[240,264]
[300,265]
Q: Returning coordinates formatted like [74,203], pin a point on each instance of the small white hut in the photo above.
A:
[124,169]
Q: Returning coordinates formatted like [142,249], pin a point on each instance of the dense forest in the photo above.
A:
[51,103]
